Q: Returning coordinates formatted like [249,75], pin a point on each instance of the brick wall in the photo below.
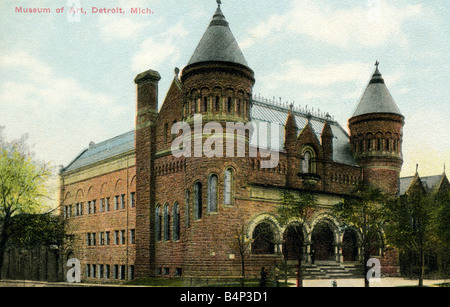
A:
[109,185]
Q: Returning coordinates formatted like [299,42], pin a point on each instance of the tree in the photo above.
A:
[412,225]
[363,209]
[442,218]
[242,244]
[22,185]
[30,230]
[299,207]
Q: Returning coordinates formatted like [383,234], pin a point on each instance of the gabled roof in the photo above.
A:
[265,112]
[404,184]
[429,183]
[376,98]
[218,43]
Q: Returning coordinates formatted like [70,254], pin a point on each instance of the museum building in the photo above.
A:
[135,207]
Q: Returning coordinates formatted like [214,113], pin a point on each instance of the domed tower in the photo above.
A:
[376,135]
[217,80]
[217,84]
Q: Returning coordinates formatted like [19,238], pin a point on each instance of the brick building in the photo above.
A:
[137,207]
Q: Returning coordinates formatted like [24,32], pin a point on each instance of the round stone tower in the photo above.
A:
[217,80]
[376,135]
[217,87]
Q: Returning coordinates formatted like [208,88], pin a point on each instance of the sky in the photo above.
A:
[67,80]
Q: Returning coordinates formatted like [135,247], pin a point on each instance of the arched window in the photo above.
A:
[195,106]
[229,105]
[158,223]
[186,210]
[198,200]
[217,104]
[166,131]
[379,143]
[205,104]
[308,165]
[212,193]
[388,138]
[369,142]
[228,186]
[263,239]
[166,223]
[170,132]
[176,222]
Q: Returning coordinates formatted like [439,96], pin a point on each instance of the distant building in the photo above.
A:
[135,209]
[436,260]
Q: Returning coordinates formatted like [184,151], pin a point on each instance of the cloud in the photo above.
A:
[127,26]
[368,25]
[39,87]
[159,49]
[264,29]
[113,27]
[295,71]
[54,109]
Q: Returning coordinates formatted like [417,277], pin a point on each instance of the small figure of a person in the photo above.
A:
[313,255]
[263,278]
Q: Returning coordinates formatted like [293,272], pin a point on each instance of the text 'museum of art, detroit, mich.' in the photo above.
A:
[134,208]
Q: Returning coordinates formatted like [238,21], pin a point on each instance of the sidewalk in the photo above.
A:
[359,282]
[385,282]
[38,284]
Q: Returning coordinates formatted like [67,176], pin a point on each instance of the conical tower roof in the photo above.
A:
[218,43]
[376,98]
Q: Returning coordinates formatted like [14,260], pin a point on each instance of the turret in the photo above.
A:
[217,80]
[376,135]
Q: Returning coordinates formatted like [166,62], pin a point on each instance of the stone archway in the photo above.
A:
[263,239]
[323,242]
[350,245]
[264,230]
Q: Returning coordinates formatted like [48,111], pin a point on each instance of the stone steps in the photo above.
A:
[328,270]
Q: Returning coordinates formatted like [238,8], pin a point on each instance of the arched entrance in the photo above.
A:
[263,239]
[293,243]
[350,245]
[323,242]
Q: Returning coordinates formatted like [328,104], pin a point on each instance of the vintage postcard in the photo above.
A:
[224,143]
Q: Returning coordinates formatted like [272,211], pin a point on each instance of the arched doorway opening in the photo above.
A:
[263,239]
[350,245]
[323,242]
[293,243]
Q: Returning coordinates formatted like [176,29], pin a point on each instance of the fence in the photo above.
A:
[37,263]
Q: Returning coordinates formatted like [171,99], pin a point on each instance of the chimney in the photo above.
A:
[147,97]
[145,139]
